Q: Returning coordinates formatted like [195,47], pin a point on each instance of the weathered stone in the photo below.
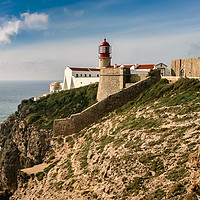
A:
[186,67]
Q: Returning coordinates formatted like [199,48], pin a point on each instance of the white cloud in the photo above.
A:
[35,21]
[10,29]
[28,21]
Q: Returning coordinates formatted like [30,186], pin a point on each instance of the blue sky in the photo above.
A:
[39,38]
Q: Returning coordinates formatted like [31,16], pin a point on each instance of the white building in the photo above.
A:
[77,77]
[144,69]
[164,71]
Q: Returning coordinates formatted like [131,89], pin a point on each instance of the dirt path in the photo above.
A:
[35,169]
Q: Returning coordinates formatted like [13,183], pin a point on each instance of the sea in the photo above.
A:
[13,92]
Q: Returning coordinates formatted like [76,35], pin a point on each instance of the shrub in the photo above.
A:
[50,159]
[40,176]
[59,185]
[47,169]
[177,174]
[24,176]
[176,189]
[60,140]
[134,186]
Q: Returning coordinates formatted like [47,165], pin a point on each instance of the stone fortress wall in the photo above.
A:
[137,77]
[115,79]
[81,120]
[112,80]
[186,67]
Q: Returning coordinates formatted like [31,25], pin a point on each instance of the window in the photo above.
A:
[85,75]
[89,75]
[76,75]
[97,75]
[81,82]
[81,75]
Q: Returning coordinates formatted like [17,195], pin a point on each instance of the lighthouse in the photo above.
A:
[104,54]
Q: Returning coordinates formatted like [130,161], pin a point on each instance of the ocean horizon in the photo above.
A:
[13,92]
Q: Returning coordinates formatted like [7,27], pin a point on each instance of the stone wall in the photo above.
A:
[81,120]
[112,80]
[171,79]
[137,77]
[190,67]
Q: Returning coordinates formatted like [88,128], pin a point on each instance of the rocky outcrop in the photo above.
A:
[22,145]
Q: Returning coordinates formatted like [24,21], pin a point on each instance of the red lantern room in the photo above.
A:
[104,49]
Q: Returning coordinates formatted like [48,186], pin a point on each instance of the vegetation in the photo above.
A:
[134,186]
[24,175]
[180,92]
[176,189]
[157,194]
[47,169]
[40,176]
[43,112]
[50,159]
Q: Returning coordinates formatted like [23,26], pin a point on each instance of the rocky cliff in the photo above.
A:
[22,145]
[139,151]
[147,149]
[26,135]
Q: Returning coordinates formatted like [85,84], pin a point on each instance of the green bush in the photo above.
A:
[40,176]
[60,140]
[24,176]
[47,169]
[50,159]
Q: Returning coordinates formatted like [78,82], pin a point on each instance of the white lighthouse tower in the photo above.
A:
[104,54]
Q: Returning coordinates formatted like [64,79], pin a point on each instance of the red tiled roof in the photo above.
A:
[83,69]
[148,66]
[151,66]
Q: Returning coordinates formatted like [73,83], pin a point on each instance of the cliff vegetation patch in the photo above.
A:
[43,112]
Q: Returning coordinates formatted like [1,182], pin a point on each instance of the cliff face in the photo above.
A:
[140,151]
[22,146]
[25,136]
